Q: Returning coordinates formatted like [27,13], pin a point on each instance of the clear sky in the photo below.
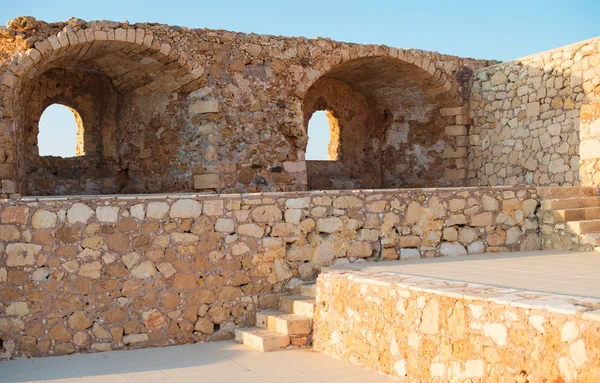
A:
[498,29]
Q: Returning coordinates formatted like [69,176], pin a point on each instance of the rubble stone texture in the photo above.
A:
[535,119]
[132,271]
[418,329]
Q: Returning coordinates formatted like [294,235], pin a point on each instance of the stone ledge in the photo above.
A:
[527,299]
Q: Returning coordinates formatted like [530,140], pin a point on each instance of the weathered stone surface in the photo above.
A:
[268,213]
[452,249]
[80,321]
[157,210]
[185,208]
[21,254]
[43,219]
[107,213]
[79,213]
[144,270]
[154,319]
[329,225]
[91,270]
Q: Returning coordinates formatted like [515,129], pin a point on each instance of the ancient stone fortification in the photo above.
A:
[171,110]
[176,109]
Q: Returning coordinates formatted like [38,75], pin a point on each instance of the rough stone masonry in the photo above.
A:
[169,109]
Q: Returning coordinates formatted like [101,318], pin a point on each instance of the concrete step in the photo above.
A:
[567,191]
[577,214]
[570,203]
[298,305]
[309,290]
[288,324]
[261,339]
[583,227]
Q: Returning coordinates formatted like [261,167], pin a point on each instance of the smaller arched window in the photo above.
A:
[323,137]
[60,132]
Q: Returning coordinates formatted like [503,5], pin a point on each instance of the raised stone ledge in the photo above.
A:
[526,299]
[424,329]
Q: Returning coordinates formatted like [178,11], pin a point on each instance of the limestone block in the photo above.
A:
[251,229]
[17,309]
[21,254]
[452,249]
[157,210]
[360,250]
[185,208]
[43,219]
[91,270]
[348,202]
[297,203]
[329,225]
[225,225]
[138,211]
[266,214]
[456,130]
[293,216]
[79,213]
[213,208]
[144,270]
[107,213]
[207,181]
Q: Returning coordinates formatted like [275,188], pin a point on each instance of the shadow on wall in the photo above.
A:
[393,119]
[533,119]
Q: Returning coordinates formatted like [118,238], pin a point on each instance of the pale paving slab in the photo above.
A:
[551,271]
[215,362]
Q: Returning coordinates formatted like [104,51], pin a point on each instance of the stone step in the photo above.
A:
[288,324]
[261,339]
[570,203]
[309,290]
[590,239]
[578,214]
[584,227]
[298,305]
[567,191]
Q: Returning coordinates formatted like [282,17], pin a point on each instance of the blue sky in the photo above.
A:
[501,30]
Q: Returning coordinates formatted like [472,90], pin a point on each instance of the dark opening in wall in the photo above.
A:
[60,132]
[323,137]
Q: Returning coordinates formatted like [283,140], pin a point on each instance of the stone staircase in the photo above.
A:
[290,326]
[570,218]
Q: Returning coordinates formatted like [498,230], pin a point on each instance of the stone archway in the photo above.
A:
[111,76]
[402,124]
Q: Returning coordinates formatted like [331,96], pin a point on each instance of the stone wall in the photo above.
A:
[101,273]
[418,329]
[526,117]
[196,109]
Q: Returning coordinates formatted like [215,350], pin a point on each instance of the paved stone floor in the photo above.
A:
[560,272]
[215,362]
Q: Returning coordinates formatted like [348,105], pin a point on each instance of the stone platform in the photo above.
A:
[530,316]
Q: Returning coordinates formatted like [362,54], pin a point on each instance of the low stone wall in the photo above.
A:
[430,330]
[88,274]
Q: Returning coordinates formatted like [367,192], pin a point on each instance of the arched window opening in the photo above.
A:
[323,137]
[60,132]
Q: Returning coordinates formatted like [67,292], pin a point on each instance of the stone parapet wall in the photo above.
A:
[526,117]
[418,329]
[84,274]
